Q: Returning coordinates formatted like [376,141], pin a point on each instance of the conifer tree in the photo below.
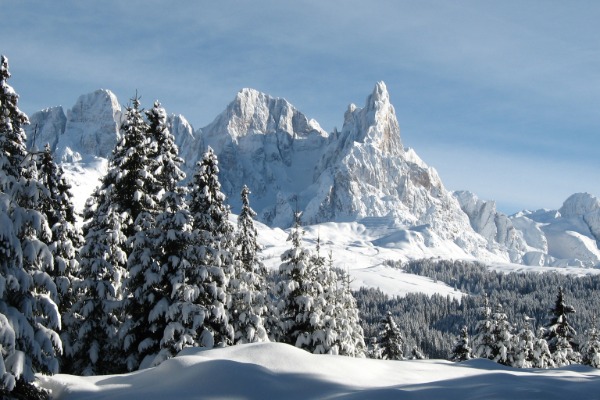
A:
[483,339]
[462,350]
[248,287]
[211,252]
[542,358]
[523,346]
[560,334]
[590,350]
[390,339]
[126,191]
[29,317]
[502,332]
[156,327]
[298,292]
[57,205]
[343,309]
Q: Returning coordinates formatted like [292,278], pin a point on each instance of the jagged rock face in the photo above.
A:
[45,127]
[185,140]
[362,173]
[92,127]
[586,207]
[494,226]
[366,172]
[267,144]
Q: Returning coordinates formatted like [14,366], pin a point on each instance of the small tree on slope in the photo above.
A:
[484,340]
[502,331]
[560,334]
[523,346]
[462,350]
[390,339]
[590,350]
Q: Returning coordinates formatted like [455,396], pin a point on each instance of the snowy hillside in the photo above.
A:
[359,179]
[279,371]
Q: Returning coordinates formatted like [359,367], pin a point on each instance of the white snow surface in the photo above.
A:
[279,371]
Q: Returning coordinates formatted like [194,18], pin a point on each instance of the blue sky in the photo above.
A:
[502,98]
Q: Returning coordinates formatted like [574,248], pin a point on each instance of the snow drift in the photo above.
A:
[279,371]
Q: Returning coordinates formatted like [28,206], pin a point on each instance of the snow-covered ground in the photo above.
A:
[279,371]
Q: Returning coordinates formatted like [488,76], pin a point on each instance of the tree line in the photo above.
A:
[500,316]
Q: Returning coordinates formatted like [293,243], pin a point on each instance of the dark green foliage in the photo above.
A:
[431,322]
[390,340]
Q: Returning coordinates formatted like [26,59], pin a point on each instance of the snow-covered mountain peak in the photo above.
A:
[254,112]
[374,124]
[92,126]
[579,204]
[361,175]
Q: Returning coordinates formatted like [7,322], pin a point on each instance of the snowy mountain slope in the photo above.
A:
[361,175]
[279,371]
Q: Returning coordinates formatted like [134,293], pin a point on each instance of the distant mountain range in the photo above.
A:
[361,174]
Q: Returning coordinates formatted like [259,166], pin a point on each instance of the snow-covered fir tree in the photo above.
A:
[462,350]
[524,345]
[560,334]
[298,292]
[158,322]
[590,350]
[343,308]
[390,340]
[502,332]
[248,286]
[126,191]
[211,252]
[542,358]
[29,317]
[67,238]
[484,340]
[417,354]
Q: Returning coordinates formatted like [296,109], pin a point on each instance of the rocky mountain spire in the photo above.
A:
[375,124]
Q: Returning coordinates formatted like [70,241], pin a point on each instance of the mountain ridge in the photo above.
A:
[361,172]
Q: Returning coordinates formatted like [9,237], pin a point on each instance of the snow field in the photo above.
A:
[279,371]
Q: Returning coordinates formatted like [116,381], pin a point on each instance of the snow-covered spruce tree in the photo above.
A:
[343,309]
[523,346]
[560,334]
[29,317]
[248,287]
[56,203]
[502,331]
[590,350]
[298,292]
[211,252]
[159,322]
[462,350]
[542,358]
[126,191]
[390,339]
[484,340]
